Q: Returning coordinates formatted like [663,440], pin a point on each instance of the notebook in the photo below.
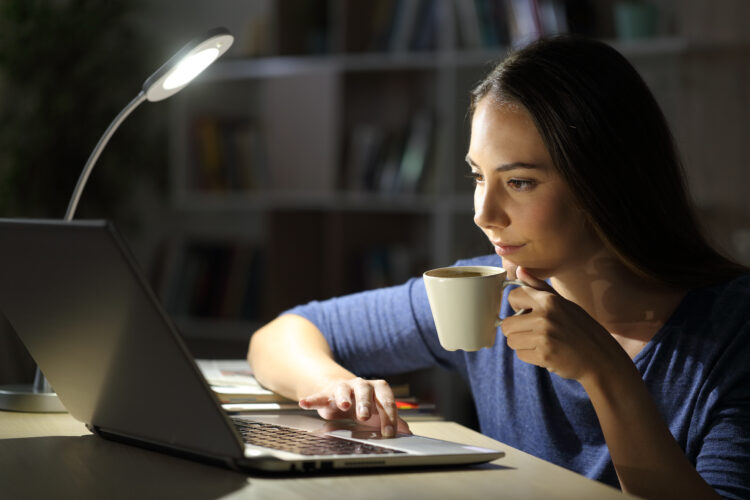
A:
[73,293]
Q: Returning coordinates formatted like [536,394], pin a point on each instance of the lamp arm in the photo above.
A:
[98,150]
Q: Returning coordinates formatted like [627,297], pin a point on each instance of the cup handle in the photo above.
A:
[499,321]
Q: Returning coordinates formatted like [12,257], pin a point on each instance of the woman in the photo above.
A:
[630,365]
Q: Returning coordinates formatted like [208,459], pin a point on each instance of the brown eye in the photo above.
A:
[521,184]
[476,177]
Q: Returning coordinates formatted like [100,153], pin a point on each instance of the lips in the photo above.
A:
[504,249]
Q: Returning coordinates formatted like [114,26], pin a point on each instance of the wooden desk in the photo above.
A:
[54,456]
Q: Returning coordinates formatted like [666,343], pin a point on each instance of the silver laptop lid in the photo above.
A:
[79,303]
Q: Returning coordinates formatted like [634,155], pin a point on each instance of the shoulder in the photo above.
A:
[730,314]
[714,323]
[730,298]
[738,288]
[726,303]
[711,327]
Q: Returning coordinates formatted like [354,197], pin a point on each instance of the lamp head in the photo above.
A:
[176,73]
[186,64]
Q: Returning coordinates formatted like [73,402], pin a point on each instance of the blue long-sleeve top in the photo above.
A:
[697,368]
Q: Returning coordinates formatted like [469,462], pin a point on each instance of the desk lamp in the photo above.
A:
[169,79]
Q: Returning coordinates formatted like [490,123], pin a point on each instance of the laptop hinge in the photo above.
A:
[170,450]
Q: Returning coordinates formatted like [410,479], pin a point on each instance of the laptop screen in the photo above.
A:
[75,296]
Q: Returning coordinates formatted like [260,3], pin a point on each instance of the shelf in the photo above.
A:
[332,131]
[280,66]
[675,46]
[656,47]
[342,201]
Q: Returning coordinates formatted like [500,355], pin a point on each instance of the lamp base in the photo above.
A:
[22,397]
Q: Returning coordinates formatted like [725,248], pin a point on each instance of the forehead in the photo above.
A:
[506,130]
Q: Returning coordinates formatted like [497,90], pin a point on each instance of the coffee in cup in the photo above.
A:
[465,303]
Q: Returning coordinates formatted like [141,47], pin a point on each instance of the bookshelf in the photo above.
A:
[328,149]
[332,149]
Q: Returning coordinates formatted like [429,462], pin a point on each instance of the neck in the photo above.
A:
[630,306]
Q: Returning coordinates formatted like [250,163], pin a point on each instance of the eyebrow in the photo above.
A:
[507,166]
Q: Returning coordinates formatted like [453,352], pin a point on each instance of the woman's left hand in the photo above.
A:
[556,333]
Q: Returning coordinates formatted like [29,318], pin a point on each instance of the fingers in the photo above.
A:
[519,341]
[538,294]
[386,406]
[338,397]
[511,269]
[370,401]
[376,397]
[343,397]
[530,345]
[315,401]
[403,427]
[532,281]
[557,334]
[362,399]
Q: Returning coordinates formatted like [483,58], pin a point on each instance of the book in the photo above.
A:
[409,408]
[386,265]
[468,24]
[416,152]
[233,383]
[227,154]
[214,279]
[525,22]
[405,21]
[364,145]
[553,17]
[264,408]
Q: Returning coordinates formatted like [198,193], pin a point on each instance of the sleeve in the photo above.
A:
[381,332]
[724,456]
[724,459]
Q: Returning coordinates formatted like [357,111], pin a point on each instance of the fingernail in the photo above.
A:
[388,431]
[391,411]
[363,411]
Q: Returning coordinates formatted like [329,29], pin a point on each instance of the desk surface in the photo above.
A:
[54,456]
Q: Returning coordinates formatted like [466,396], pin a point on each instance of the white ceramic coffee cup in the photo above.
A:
[465,303]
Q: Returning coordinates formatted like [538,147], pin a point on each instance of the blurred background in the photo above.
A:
[323,154]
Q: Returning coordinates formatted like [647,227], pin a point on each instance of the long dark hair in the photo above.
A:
[610,141]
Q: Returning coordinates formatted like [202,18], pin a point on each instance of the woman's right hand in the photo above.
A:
[370,402]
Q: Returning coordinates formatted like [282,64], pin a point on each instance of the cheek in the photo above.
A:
[559,221]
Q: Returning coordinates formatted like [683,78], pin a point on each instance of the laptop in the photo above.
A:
[75,296]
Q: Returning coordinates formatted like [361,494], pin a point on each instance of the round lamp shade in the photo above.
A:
[186,64]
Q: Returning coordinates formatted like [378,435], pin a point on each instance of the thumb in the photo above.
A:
[534,282]
[510,268]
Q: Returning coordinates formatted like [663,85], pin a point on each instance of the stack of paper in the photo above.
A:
[239,391]
[234,383]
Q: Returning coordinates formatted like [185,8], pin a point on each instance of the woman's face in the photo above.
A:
[520,201]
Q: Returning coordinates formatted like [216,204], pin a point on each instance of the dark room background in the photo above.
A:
[323,154]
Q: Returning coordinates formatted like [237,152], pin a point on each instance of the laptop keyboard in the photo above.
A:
[303,442]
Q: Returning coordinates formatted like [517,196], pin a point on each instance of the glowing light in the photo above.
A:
[190,67]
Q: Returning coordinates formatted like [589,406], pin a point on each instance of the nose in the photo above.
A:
[489,212]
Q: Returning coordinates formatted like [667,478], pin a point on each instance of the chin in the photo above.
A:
[542,273]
